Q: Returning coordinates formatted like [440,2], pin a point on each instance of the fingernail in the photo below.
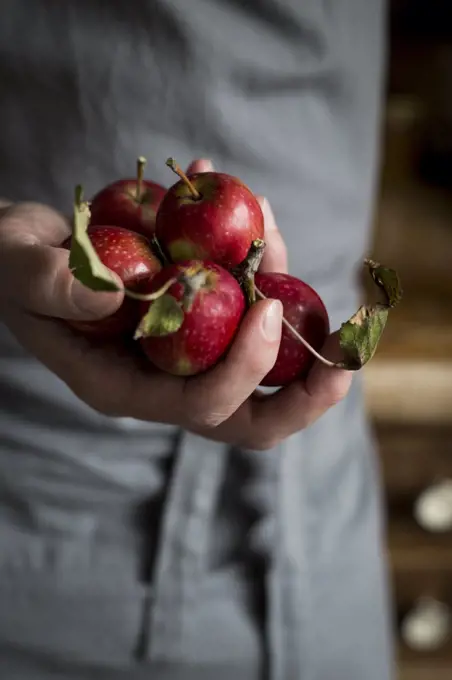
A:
[271,326]
[82,298]
[206,164]
[200,165]
[90,302]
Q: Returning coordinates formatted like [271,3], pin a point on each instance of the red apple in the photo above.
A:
[209,326]
[209,216]
[305,311]
[128,255]
[129,203]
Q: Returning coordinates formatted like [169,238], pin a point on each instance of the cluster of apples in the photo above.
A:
[184,256]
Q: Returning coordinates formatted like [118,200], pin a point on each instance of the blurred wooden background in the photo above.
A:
[409,384]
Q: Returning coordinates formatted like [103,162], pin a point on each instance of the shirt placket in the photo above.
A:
[182,545]
[288,580]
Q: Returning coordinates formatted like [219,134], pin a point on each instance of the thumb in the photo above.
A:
[38,279]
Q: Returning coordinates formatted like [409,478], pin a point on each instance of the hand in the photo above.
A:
[37,292]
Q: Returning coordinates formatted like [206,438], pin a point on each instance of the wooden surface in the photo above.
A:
[414,551]
[419,671]
[410,378]
[412,457]
[408,385]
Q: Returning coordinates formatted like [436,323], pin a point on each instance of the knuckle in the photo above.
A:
[259,364]
[338,390]
[205,419]
[41,264]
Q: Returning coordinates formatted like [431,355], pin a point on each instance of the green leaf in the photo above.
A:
[83,259]
[164,317]
[386,279]
[360,335]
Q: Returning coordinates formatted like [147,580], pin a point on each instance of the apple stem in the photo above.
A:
[150,297]
[299,337]
[158,252]
[78,195]
[141,164]
[171,163]
[245,271]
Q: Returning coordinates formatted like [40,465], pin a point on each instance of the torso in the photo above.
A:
[284,95]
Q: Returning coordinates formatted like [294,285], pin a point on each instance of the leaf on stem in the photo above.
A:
[164,317]
[386,279]
[360,335]
[83,259]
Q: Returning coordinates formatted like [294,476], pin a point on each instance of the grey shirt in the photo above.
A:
[129,549]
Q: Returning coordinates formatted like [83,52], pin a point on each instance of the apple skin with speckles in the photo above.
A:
[208,328]
[129,255]
[219,226]
[305,311]
[118,204]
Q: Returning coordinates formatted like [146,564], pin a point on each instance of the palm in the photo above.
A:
[223,403]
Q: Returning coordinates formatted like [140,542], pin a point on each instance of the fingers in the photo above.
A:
[118,383]
[37,279]
[275,253]
[35,276]
[301,403]
[33,223]
[200,165]
[212,398]
[329,385]
[105,377]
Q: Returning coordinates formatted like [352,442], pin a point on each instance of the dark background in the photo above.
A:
[409,383]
